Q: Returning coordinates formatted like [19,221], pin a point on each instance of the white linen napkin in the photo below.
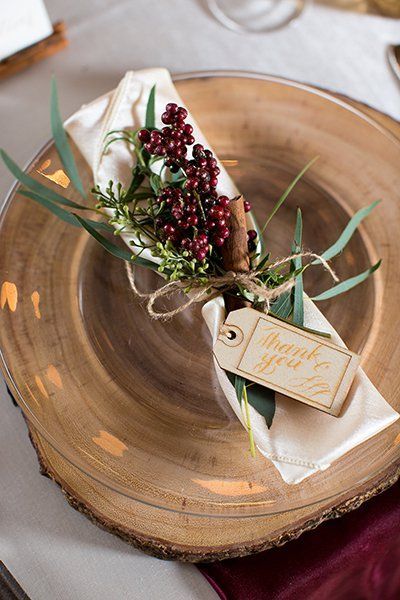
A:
[302,440]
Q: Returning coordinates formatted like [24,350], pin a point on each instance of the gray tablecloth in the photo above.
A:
[53,551]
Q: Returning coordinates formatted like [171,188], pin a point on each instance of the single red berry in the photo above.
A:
[155,137]
[251,235]
[195,246]
[191,184]
[160,150]
[166,118]
[205,187]
[247,206]
[176,135]
[203,174]
[144,135]
[202,162]
[218,241]
[201,254]
[176,212]
[170,146]
[203,239]
[217,212]
[182,113]
[223,232]
[198,149]
[171,107]
[223,201]
[169,229]
[192,220]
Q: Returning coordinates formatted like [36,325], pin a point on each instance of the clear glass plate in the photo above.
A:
[134,403]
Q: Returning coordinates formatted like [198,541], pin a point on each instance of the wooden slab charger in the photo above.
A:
[126,414]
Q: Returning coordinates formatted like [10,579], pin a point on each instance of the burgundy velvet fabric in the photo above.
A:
[356,557]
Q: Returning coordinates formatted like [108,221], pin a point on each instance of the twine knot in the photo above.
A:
[217,285]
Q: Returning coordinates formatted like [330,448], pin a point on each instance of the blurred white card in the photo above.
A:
[22,23]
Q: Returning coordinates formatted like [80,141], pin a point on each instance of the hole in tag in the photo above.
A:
[231,335]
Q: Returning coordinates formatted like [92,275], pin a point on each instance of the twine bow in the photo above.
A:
[217,285]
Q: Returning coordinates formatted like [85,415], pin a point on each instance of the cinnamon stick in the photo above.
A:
[235,253]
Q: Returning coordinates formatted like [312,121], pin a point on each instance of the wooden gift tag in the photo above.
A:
[289,360]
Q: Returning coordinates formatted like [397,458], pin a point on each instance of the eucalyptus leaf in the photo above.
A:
[51,207]
[113,249]
[347,233]
[177,177]
[287,192]
[36,186]
[347,284]
[263,400]
[282,307]
[298,290]
[260,238]
[150,121]
[263,262]
[239,383]
[137,180]
[260,397]
[61,141]
[155,183]
[62,214]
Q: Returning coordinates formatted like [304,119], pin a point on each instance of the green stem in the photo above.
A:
[140,158]
[248,423]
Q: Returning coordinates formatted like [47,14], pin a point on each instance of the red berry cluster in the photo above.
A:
[195,216]
[171,141]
